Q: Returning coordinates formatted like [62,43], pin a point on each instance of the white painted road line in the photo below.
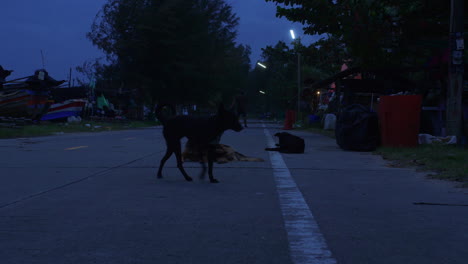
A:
[306,244]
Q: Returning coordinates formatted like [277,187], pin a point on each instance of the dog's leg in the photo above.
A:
[211,158]
[180,163]
[202,162]
[168,154]
[203,172]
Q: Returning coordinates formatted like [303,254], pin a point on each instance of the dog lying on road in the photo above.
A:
[203,132]
[223,154]
[288,143]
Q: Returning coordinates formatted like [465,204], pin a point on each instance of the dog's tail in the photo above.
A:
[159,112]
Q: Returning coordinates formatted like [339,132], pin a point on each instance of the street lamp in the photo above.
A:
[293,36]
[260,91]
[261,65]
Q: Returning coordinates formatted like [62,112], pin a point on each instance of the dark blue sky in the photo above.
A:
[58,28]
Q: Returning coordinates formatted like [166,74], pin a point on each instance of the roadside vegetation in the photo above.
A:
[445,162]
[46,129]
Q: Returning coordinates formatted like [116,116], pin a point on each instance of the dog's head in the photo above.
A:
[228,119]
[281,134]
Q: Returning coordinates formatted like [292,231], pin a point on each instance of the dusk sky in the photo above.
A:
[59,27]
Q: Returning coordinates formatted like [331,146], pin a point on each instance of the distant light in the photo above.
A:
[293,36]
[262,92]
[318,92]
[261,65]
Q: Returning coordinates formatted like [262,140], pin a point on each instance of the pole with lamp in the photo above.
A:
[293,36]
[260,91]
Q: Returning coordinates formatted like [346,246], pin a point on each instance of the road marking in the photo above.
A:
[74,148]
[306,244]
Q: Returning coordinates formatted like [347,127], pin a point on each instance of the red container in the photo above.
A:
[399,117]
[289,120]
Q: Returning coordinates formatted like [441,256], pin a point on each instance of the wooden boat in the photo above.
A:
[23,103]
[67,108]
[29,98]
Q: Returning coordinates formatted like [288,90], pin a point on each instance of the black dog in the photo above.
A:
[203,132]
[288,143]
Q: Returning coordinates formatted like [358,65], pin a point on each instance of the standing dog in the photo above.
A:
[203,132]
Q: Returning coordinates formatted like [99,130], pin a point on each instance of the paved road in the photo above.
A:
[94,198]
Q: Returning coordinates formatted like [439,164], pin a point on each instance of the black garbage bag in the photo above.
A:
[357,128]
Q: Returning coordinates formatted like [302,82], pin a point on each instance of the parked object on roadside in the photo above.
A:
[330,122]
[65,110]
[289,120]
[400,118]
[17,103]
[430,139]
[288,143]
[28,98]
[357,128]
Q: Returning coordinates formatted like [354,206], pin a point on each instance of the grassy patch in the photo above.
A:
[446,161]
[45,129]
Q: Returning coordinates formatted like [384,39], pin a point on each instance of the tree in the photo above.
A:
[91,70]
[375,33]
[181,51]
[276,80]
[279,79]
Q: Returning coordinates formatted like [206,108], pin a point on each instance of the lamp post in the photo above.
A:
[454,111]
[260,91]
[293,36]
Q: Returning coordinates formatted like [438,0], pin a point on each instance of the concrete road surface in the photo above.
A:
[94,198]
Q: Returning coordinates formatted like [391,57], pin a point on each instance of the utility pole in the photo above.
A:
[43,63]
[456,68]
[70,78]
[298,116]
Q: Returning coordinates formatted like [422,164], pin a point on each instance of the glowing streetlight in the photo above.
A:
[293,36]
[261,65]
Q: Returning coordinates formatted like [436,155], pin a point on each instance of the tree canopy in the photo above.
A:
[181,51]
[375,32]
[279,79]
